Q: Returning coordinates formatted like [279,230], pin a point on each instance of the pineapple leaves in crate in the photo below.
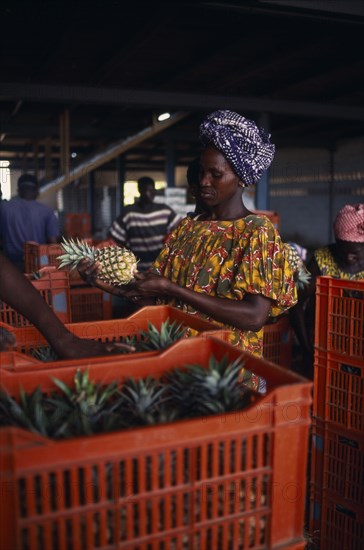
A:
[88,407]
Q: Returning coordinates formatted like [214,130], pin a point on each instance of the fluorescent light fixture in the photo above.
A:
[164,116]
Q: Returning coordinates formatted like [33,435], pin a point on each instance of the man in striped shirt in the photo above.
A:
[144,225]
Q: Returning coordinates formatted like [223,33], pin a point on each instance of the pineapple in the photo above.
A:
[301,274]
[84,409]
[161,339]
[198,391]
[143,402]
[45,354]
[117,265]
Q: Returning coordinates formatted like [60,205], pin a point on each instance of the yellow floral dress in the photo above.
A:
[228,259]
[328,266]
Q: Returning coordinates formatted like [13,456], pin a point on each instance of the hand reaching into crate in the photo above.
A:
[21,295]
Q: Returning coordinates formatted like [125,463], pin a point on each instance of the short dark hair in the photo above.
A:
[144,181]
[27,180]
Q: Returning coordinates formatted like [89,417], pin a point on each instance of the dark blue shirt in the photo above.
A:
[24,220]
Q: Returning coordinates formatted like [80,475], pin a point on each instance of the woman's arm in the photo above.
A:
[251,313]
[17,291]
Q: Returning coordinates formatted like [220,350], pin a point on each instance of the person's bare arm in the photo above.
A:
[251,313]
[18,292]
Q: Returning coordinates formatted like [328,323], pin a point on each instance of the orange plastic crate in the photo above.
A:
[277,342]
[29,338]
[77,225]
[218,482]
[338,461]
[340,316]
[90,304]
[54,286]
[37,256]
[335,523]
[339,390]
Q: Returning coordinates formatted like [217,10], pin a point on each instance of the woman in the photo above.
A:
[343,259]
[225,264]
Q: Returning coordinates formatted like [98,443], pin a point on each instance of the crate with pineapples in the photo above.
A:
[149,330]
[170,452]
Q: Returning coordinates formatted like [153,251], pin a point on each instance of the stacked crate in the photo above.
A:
[54,286]
[77,225]
[277,342]
[337,467]
[87,303]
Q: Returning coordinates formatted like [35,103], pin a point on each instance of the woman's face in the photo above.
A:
[218,182]
[350,255]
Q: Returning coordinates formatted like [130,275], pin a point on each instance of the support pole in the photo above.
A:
[65,141]
[91,198]
[120,174]
[170,164]
[331,194]
[48,158]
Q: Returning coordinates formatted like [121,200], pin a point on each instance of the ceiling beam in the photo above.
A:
[111,152]
[142,98]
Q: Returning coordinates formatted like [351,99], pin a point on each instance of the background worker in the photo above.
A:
[343,259]
[143,226]
[23,219]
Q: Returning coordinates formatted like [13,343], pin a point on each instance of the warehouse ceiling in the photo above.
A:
[105,71]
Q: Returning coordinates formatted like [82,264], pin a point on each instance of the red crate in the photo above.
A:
[277,342]
[338,461]
[339,390]
[77,225]
[217,482]
[335,523]
[54,286]
[37,256]
[90,304]
[340,316]
[29,338]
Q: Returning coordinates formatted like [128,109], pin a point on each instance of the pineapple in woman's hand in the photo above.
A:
[117,265]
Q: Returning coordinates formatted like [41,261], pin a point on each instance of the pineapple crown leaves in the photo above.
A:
[143,400]
[74,251]
[45,353]
[31,412]
[218,388]
[86,393]
[161,339]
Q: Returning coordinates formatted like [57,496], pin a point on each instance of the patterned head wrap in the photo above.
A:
[245,146]
[349,223]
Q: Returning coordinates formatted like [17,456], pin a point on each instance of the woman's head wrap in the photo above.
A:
[349,223]
[245,146]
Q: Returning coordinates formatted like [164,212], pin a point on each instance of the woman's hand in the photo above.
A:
[89,271]
[146,285]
